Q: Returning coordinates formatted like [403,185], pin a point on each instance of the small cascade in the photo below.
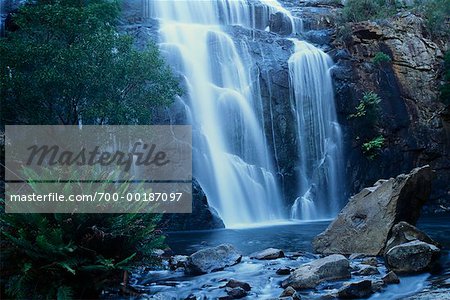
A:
[319,134]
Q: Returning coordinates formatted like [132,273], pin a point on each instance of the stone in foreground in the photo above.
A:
[212,259]
[391,278]
[412,257]
[364,224]
[268,254]
[309,275]
[403,233]
[236,293]
[356,290]
[289,292]
[232,283]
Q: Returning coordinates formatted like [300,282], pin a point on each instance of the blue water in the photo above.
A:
[293,237]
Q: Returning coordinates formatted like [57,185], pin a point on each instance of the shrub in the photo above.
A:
[437,15]
[380,58]
[372,147]
[363,10]
[368,108]
[64,256]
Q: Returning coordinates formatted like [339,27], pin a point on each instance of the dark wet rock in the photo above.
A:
[366,270]
[403,233]
[236,293]
[232,283]
[391,278]
[280,23]
[371,261]
[412,257]
[212,259]
[202,217]
[178,261]
[377,285]
[268,254]
[289,293]
[283,271]
[365,222]
[309,275]
[355,290]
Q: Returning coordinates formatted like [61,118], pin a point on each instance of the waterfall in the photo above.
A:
[319,134]
[230,153]
[232,161]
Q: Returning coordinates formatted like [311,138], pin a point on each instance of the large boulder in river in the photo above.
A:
[212,259]
[403,233]
[307,276]
[412,257]
[364,224]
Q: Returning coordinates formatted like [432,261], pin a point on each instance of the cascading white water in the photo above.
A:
[231,158]
[319,134]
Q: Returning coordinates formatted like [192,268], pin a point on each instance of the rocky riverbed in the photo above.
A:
[369,250]
[265,277]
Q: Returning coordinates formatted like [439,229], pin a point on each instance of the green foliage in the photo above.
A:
[380,58]
[368,108]
[363,10]
[65,256]
[372,147]
[445,88]
[67,64]
[437,15]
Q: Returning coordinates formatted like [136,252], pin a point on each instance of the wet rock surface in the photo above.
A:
[412,257]
[268,254]
[356,290]
[307,276]
[364,224]
[212,259]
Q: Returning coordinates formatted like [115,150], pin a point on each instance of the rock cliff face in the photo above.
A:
[413,121]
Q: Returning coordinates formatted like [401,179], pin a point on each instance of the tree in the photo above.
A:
[67,64]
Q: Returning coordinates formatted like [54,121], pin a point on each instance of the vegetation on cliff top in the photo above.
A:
[435,12]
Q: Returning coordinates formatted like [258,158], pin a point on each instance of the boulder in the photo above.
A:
[178,261]
[212,259]
[283,271]
[356,290]
[365,222]
[289,293]
[366,270]
[412,257]
[268,254]
[404,233]
[236,293]
[390,278]
[236,283]
[309,275]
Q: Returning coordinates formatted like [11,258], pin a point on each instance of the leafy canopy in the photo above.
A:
[68,64]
